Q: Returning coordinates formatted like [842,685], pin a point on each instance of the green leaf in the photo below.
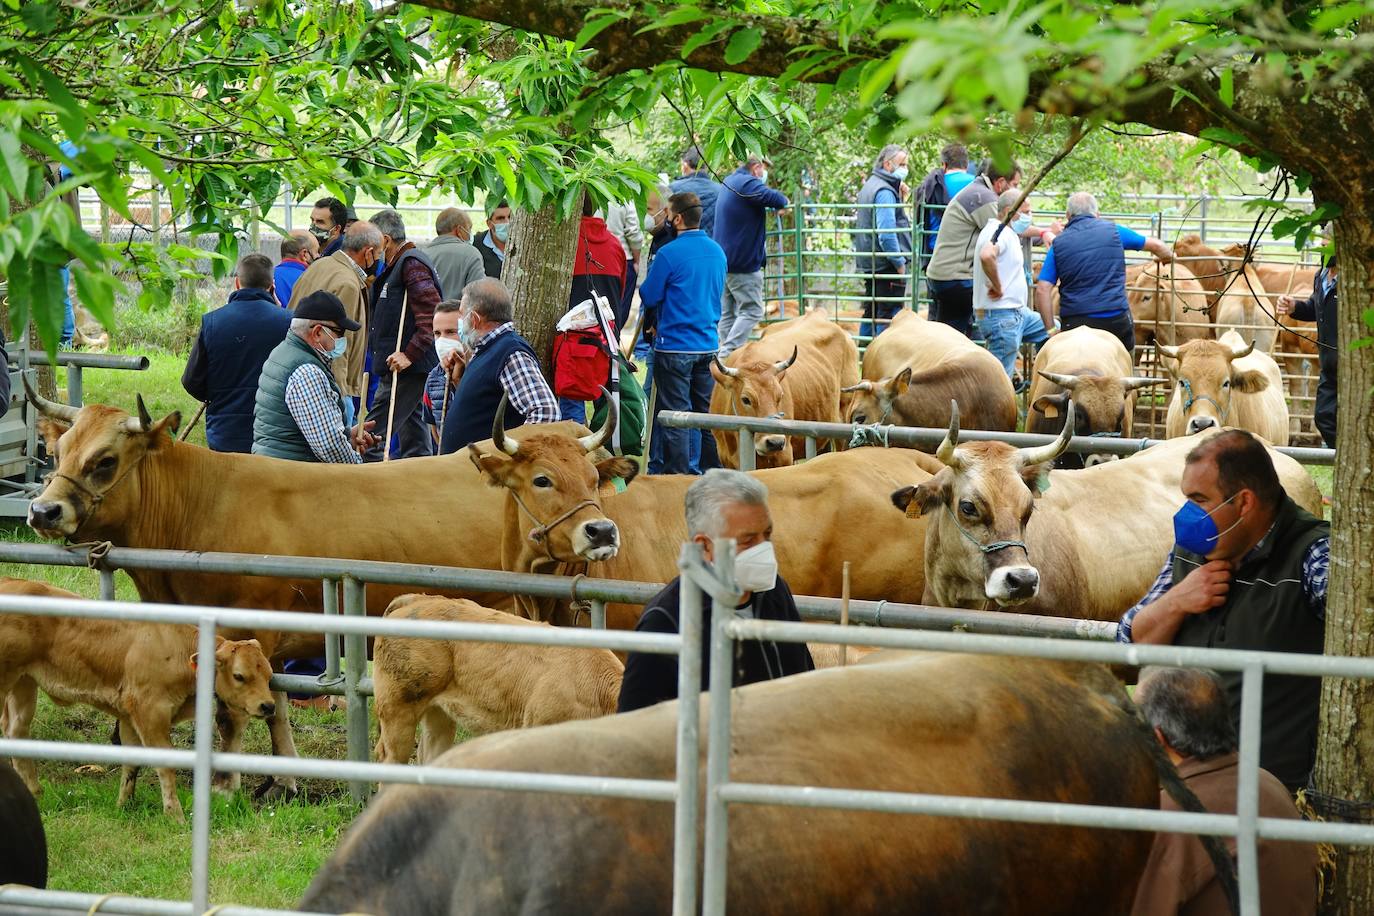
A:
[1224,137]
[680,16]
[707,34]
[1335,17]
[48,305]
[14,167]
[594,28]
[1226,89]
[1009,80]
[743,43]
[70,115]
[96,290]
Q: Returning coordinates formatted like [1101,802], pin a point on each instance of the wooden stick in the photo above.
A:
[391,408]
[192,425]
[844,610]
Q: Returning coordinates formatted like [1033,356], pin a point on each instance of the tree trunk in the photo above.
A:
[538,271]
[1345,744]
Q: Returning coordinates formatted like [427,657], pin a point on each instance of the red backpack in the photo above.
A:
[581,364]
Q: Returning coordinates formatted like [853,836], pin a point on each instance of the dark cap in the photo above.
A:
[325,306]
[350,216]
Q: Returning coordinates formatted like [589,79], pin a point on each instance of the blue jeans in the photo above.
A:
[1006,329]
[656,443]
[570,409]
[69,315]
[684,383]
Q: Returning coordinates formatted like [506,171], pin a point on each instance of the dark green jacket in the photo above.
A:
[275,432]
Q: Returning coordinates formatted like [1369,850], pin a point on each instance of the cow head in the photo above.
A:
[755,389]
[1100,404]
[242,673]
[97,450]
[982,502]
[553,483]
[1206,380]
[872,401]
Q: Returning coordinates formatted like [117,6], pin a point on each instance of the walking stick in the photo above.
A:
[844,611]
[192,425]
[391,408]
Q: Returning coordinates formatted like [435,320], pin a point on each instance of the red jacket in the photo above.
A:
[599,265]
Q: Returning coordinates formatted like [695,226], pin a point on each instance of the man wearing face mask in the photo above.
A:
[328,220]
[299,412]
[1248,571]
[722,504]
[882,242]
[950,274]
[999,284]
[491,241]
[740,230]
[438,388]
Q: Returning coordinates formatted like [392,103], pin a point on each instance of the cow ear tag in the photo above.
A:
[1042,482]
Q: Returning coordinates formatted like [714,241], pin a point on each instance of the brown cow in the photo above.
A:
[1225,383]
[485,687]
[1167,308]
[971,726]
[143,674]
[916,367]
[796,372]
[1235,291]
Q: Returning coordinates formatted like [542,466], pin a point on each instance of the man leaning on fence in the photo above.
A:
[882,238]
[722,504]
[1188,710]
[1248,571]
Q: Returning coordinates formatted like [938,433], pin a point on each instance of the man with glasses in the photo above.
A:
[299,413]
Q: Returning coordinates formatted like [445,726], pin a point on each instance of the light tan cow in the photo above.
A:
[143,674]
[1237,295]
[916,367]
[795,372]
[1168,306]
[1225,383]
[484,687]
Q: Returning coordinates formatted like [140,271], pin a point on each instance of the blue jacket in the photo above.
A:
[681,294]
[706,190]
[741,220]
[226,361]
[1090,264]
[284,278]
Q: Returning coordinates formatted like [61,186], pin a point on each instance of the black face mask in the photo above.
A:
[321,235]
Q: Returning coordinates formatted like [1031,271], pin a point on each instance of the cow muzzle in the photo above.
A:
[50,518]
[597,539]
[769,445]
[1092,461]
[1198,424]
[1009,585]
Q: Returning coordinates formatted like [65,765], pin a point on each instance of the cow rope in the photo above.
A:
[539,534]
[96,552]
[1189,400]
[95,907]
[873,434]
[985,548]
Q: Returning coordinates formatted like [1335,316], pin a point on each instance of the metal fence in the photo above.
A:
[700,580]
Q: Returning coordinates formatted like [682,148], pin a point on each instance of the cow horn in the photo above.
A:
[1241,354]
[1067,382]
[52,409]
[946,450]
[145,419]
[1166,350]
[1044,453]
[783,365]
[1139,381]
[593,441]
[499,438]
[726,370]
[865,385]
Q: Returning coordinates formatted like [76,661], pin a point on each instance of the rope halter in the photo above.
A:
[985,548]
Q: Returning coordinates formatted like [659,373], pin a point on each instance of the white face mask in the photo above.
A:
[446,345]
[756,569]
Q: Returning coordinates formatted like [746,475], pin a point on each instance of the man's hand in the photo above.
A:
[994,292]
[1202,589]
[1057,227]
[905,190]
[398,362]
[1284,305]
[362,436]
[454,363]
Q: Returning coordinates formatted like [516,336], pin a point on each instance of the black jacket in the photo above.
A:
[1321,308]
[651,679]
[491,261]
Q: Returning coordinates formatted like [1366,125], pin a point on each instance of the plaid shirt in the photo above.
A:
[318,412]
[524,383]
[1316,564]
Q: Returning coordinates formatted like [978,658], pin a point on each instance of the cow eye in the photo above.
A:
[968,508]
[107,463]
[239,677]
[1226,383]
[746,401]
[542,481]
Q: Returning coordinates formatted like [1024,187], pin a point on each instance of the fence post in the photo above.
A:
[687,814]
[74,386]
[598,614]
[104,223]
[918,241]
[155,212]
[203,773]
[331,640]
[355,654]
[1247,788]
[746,448]
[288,202]
[1202,216]
[717,840]
[799,221]
[107,583]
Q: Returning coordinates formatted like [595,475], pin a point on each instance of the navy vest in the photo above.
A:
[238,339]
[387,295]
[473,406]
[1092,268]
[866,218]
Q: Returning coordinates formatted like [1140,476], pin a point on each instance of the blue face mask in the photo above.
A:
[1021,224]
[1194,529]
[900,173]
[340,346]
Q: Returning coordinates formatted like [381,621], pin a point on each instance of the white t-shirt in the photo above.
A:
[1011,270]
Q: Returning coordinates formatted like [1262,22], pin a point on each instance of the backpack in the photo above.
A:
[581,364]
[633,408]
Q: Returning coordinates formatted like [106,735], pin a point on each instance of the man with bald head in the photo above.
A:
[455,260]
[298,249]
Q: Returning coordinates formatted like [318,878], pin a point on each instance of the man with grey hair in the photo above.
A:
[721,505]
[1191,718]
[455,260]
[401,339]
[346,274]
[999,283]
[882,238]
[950,275]
[1088,261]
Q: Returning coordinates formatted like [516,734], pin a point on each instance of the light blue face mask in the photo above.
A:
[1021,224]
[900,173]
[340,347]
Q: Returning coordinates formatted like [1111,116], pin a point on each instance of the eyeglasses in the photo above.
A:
[337,332]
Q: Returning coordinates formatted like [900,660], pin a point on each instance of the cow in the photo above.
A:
[934,723]
[143,674]
[1091,368]
[916,367]
[795,371]
[1235,292]
[1225,383]
[1004,530]
[484,687]
[23,843]
[1168,305]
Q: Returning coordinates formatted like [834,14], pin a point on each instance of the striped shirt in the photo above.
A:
[524,383]
[317,410]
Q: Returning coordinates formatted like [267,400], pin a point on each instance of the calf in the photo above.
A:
[143,674]
[484,686]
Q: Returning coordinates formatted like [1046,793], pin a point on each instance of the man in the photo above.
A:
[491,242]
[229,353]
[882,241]
[1088,261]
[598,269]
[1248,571]
[456,261]
[681,302]
[623,222]
[741,226]
[502,364]
[937,189]
[328,219]
[999,284]
[1188,711]
[1321,308]
[722,504]
[696,179]
[449,349]
[401,338]
[950,275]
[298,250]
[299,410]
[345,274]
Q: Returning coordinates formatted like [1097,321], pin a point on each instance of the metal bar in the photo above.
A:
[717,841]
[355,652]
[1247,789]
[314,686]
[202,773]
[107,584]
[331,641]
[74,386]
[84,360]
[687,815]
[746,446]
[598,614]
